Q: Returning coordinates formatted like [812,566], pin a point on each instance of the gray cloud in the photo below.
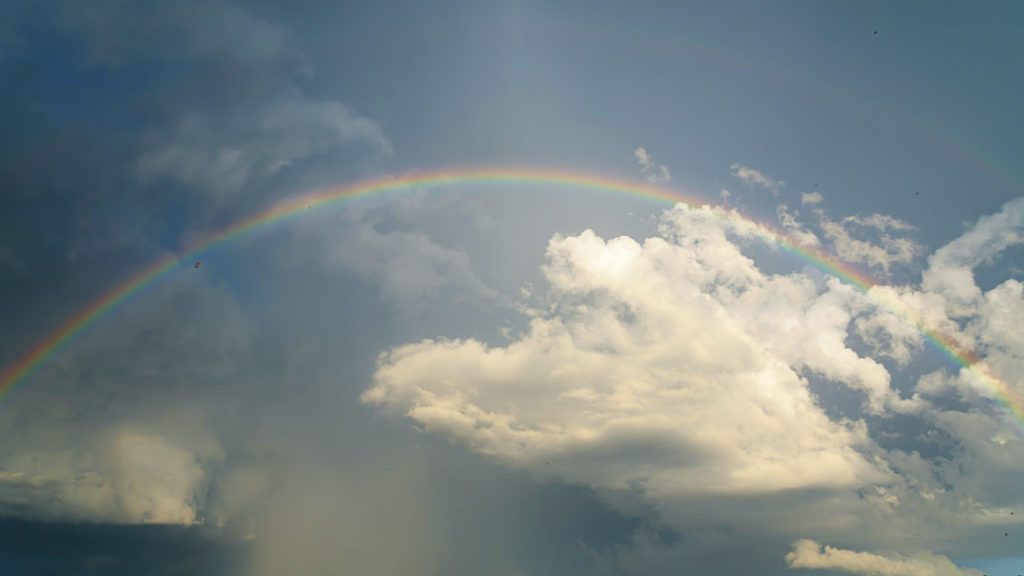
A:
[124,426]
[118,32]
[221,154]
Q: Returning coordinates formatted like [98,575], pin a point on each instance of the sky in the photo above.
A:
[752,304]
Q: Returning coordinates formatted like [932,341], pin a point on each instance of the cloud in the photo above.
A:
[794,228]
[659,366]
[950,268]
[404,246]
[221,153]
[122,476]
[410,267]
[238,115]
[627,380]
[122,427]
[160,481]
[651,170]
[878,249]
[880,222]
[752,177]
[889,336]
[223,118]
[114,33]
[808,554]
[811,198]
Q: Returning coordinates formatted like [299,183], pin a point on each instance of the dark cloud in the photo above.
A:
[84,549]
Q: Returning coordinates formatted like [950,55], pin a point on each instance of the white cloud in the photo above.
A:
[809,554]
[889,336]
[752,177]
[794,228]
[880,222]
[811,198]
[659,365]
[882,253]
[997,325]
[649,168]
[950,268]
[127,476]
[982,322]
[159,482]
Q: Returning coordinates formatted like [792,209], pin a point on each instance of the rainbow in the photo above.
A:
[295,207]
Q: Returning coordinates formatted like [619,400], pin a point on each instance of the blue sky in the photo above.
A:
[508,379]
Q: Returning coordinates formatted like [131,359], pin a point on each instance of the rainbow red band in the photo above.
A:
[67,331]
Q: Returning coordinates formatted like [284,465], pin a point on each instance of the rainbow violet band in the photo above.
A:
[883,295]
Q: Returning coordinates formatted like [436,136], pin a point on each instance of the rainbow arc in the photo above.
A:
[295,207]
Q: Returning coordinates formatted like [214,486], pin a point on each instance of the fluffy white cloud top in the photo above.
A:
[675,366]
[810,554]
[662,364]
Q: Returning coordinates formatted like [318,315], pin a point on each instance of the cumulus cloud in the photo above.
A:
[649,168]
[950,268]
[660,366]
[981,322]
[809,554]
[752,177]
[636,375]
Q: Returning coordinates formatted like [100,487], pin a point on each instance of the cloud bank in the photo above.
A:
[809,554]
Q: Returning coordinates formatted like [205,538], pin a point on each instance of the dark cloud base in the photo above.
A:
[31,548]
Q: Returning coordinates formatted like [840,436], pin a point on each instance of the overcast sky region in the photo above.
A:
[513,378]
